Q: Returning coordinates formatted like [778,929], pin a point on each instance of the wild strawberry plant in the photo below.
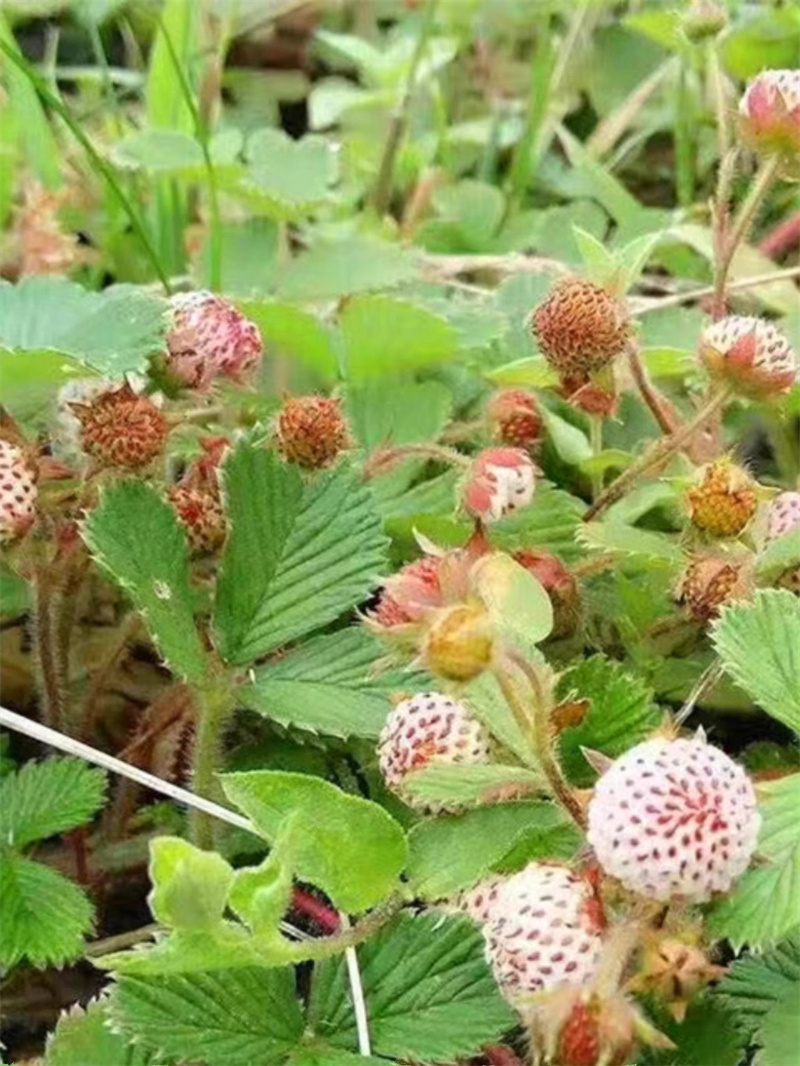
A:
[412,503]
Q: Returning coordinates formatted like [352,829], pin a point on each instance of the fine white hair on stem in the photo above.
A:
[705,683]
[20,724]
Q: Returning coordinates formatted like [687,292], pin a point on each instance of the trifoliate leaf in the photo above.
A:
[428,991]
[233,1017]
[771,676]
[85,1038]
[48,797]
[762,907]
[621,712]
[122,533]
[452,852]
[326,685]
[45,916]
[297,556]
[383,335]
[190,886]
[347,846]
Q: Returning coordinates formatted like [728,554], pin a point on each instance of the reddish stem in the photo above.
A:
[307,904]
[500,1055]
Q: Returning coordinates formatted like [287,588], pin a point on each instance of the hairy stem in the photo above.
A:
[534,721]
[328,946]
[740,228]
[383,459]
[48,647]
[658,404]
[596,441]
[215,706]
[657,455]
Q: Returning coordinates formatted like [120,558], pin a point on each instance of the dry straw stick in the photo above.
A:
[20,724]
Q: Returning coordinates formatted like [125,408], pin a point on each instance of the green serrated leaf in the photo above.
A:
[296,333]
[190,886]
[428,991]
[451,853]
[771,623]
[755,983]
[777,1033]
[600,263]
[621,713]
[707,1035]
[779,556]
[113,331]
[332,268]
[297,557]
[570,442]
[85,1038]
[120,532]
[533,371]
[347,846]
[485,699]
[45,916]
[519,608]
[762,908]
[48,797]
[388,412]
[462,784]
[628,540]
[233,1017]
[291,176]
[326,686]
[30,379]
[385,335]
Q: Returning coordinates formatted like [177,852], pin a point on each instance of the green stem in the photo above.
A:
[399,120]
[215,706]
[48,647]
[328,946]
[596,442]
[539,98]
[51,101]
[658,405]
[657,455]
[684,148]
[535,722]
[741,228]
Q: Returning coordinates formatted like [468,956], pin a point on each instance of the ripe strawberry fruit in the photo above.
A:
[674,819]
[723,501]
[710,581]
[784,518]
[18,493]
[311,431]
[425,730]
[750,354]
[515,419]
[197,498]
[542,931]
[210,339]
[121,428]
[580,328]
[499,481]
[769,116]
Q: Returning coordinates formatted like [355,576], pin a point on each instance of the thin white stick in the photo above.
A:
[43,733]
[357,994]
[20,724]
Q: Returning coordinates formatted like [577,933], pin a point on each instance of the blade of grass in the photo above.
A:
[542,70]
[30,120]
[98,163]
[201,133]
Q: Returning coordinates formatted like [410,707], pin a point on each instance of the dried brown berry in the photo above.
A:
[580,327]
[515,419]
[724,500]
[121,428]
[711,581]
[311,431]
